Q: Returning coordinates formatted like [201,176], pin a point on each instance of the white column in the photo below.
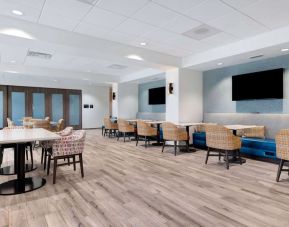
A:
[115,101]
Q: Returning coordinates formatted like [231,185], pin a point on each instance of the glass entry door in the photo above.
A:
[57,106]
[38,105]
[74,109]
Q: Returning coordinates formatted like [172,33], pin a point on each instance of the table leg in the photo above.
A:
[234,159]
[21,184]
[158,143]
[185,149]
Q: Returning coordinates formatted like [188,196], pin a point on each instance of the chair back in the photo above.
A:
[60,125]
[144,129]
[41,124]
[173,133]
[219,137]
[124,126]
[108,124]
[47,118]
[27,122]
[282,144]
[66,132]
[255,132]
[9,122]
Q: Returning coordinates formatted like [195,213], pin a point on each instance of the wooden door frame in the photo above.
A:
[5,104]
[74,92]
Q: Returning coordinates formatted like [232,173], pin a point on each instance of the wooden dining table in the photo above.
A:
[20,137]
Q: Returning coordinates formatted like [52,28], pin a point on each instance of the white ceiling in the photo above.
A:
[158,23]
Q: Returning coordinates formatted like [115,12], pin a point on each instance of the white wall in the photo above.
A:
[190,96]
[172,100]
[127,98]
[98,96]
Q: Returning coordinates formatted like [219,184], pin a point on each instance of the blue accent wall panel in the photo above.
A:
[217,89]
[143,97]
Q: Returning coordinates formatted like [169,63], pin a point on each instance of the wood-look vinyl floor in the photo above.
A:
[125,185]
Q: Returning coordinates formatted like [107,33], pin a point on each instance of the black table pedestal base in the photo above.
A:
[10,170]
[157,144]
[16,186]
[237,160]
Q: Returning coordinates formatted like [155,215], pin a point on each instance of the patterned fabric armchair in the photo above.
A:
[220,139]
[67,147]
[145,130]
[47,145]
[282,149]
[124,127]
[172,133]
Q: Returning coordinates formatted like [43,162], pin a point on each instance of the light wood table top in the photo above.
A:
[189,124]
[239,127]
[26,135]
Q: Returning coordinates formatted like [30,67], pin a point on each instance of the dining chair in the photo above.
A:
[172,132]
[145,130]
[282,150]
[59,126]
[221,140]
[27,122]
[9,122]
[109,127]
[125,128]
[39,123]
[67,147]
[47,118]
[255,132]
[46,146]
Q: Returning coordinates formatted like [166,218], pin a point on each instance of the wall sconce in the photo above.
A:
[171,88]
[113,95]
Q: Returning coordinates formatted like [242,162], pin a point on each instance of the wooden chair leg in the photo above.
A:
[74,164]
[208,154]
[280,169]
[54,170]
[188,148]
[164,144]
[48,164]
[145,142]
[219,155]
[68,161]
[137,140]
[31,154]
[81,165]
[175,145]
[239,156]
[124,137]
[227,159]
[26,151]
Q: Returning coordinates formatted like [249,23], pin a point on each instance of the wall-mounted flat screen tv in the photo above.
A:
[157,96]
[258,85]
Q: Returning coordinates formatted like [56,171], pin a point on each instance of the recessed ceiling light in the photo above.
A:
[135,57]
[284,49]
[17,12]
[10,71]
[55,80]
[143,44]
[12,61]
[220,63]
[85,79]
[16,32]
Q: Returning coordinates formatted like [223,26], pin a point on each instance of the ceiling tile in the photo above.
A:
[120,37]
[68,8]
[91,29]
[273,14]
[209,10]
[58,21]
[104,18]
[154,14]
[29,13]
[181,24]
[37,4]
[219,39]
[16,54]
[160,35]
[238,25]
[240,3]
[124,7]
[178,5]
[134,27]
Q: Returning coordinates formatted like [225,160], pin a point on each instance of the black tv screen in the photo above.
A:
[258,85]
[157,96]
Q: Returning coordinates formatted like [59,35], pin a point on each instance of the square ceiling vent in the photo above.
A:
[117,66]
[39,55]
[201,32]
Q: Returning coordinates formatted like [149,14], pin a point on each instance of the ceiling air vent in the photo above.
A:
[116,66]
[201,32]
[39,55]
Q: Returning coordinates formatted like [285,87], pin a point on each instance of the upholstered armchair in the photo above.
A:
[38,123]
[221,140]
[255,132]
[59,126]
[67,147]
[27,122]
[145,130]
[47,145]
[125,128]
[109,127]
[282,149]
[172,133]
